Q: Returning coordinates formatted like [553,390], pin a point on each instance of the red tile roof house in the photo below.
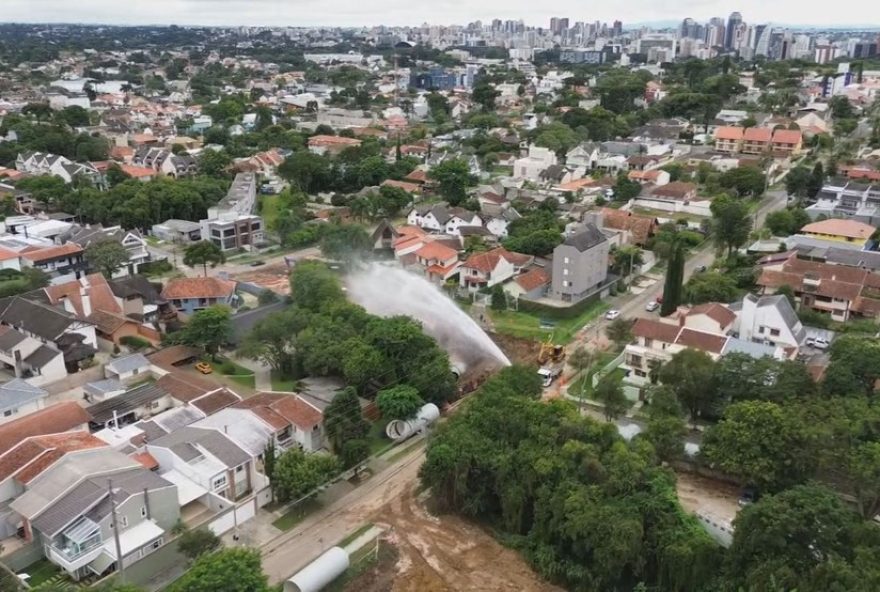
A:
[484,270]
[756,140]
[189,295]
[294,420]
[728,139]
[677,190]
[438,261]
[787,142]
[841,291]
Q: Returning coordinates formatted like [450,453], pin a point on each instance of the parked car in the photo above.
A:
[612,314]
[818,342]
[652,306]
[701,268]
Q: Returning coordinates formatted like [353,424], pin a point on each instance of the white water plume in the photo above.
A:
[386,291]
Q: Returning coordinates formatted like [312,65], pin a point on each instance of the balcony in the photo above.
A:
[77,546]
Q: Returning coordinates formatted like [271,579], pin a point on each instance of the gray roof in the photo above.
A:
[91,498]
[864,259]
[788,314]
[129,401]
[128,363]
[42,356]
[39,319]
[184,442]
[750,348]
[18,393]
[10,338]
[585,238]
[152,430]
[101,387]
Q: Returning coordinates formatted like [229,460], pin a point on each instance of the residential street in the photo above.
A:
[293,550]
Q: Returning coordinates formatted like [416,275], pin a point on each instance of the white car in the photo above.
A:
[818,342]
[652,306]
[612,314]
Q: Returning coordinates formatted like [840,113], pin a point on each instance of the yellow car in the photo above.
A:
[204,367]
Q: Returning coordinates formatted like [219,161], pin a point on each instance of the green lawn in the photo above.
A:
[270,208]
[377,438]
[40,572]
[583,384]
[297,514]
[352,536]
[287,385]
[528,325]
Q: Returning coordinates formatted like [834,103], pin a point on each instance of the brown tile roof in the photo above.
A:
[215,401]
[715,311]
[55,419]
[185,386]
[95,286]
[785,136]
[641,227]
[757,134]
[488,260]
[106,322]
[169,357]
[289,406]
[417,176]
[533,279]
[707,342]
[651,329]
[436,250]
[198,287]
[48,253]
[333,141]
[840,227]
[729,132]
[677,189]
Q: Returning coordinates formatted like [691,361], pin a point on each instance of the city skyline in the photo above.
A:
[402,13]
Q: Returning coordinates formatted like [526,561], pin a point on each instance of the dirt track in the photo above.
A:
[448,554]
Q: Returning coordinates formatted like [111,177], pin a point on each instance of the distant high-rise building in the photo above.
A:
[733,22]
[715,32]
[617,29]
[558,25]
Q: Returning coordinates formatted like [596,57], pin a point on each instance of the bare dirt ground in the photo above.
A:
[273,277]
[707,496]
[519,351]
[445,554]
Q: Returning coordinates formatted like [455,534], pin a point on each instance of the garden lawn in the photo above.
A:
[297,514]
[527,325]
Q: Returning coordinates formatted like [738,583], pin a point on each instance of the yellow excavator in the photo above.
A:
[550,352]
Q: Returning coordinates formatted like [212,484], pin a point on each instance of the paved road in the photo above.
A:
[293,550]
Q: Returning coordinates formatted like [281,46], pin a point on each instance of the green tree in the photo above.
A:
[106,256]
[399,402]
[453,177]
[666,428]
[298,473]
[625,189]
[345,242]
[854,367]
[745,181]
[672,288]
[202,253]
[609,392]
[792,539]
[484,94]
[690,374]
[272,339]
[761,443]
[227,570]
[115,175]
[731,223]
[306,171]
[619,331]
[214,163]
[344,420]
[208,329]
[797,182]
[195,543]
[710,286]
[499,299]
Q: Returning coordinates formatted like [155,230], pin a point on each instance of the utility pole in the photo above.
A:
[119,564]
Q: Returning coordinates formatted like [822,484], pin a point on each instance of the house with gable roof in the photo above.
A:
[490,268]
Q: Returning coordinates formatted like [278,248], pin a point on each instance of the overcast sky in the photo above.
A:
[414,12]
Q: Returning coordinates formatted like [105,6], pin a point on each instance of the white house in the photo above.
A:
[18,398]
[440,218]
[583,155]
[487,269]
[769,319]
[531,166]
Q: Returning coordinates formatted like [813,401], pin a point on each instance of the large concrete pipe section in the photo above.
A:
[401,429]
[320,572]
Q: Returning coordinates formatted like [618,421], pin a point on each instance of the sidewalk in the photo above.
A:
[262,373]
